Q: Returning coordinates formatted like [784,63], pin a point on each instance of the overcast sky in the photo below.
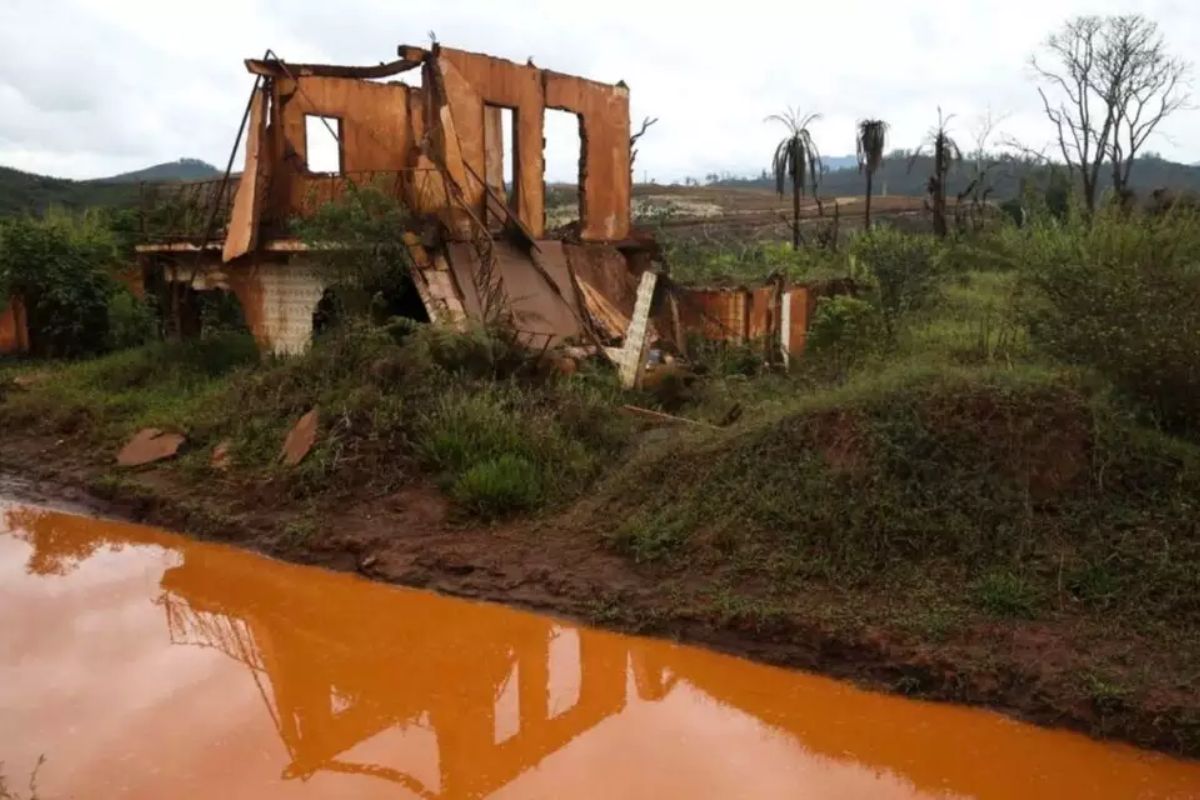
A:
[90,88]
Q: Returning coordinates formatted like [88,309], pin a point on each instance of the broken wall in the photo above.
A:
[774,315]
[605,169]
[472,83]
[377,135]
[14,328]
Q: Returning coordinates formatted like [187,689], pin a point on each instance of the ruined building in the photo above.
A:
[439,149]
[429,129]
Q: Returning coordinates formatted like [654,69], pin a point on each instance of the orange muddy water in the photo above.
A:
[146,665]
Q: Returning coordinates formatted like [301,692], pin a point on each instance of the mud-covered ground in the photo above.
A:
[1041,671]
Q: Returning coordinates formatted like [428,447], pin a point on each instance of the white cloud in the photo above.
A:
[94,87]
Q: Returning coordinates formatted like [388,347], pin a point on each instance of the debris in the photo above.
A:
[731,416]
[300,439]
[630,362]
[29,379]
[658,416]
[149,445]
[220,455]
[566,366]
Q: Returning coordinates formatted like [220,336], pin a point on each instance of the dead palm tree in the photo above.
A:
[871,141]
[796,158]
[945,155]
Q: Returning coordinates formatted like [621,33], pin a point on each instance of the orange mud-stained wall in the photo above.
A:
[765,313]
[14,328]
[383,129]
[605,170]
[374,128]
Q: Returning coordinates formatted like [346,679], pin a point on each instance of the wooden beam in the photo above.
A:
[274,68]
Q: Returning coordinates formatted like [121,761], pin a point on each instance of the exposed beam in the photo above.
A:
[279,69]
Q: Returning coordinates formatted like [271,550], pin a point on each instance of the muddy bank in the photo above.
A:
[1039,671]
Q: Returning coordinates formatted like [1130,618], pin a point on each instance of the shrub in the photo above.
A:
[464,430]
[499,486]
[58,265]
[1123,297]
[845,330]
[369,224]
[131,321]
[906,268]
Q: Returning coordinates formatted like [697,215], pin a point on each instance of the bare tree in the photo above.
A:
[1148,86]
[982,165]
[1108,83]
[633,139]
[871,141]
[796,157]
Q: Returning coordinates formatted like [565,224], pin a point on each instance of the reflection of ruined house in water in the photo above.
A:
[479,243]
[491,697]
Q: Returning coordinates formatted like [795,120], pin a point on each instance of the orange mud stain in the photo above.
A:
[146,665]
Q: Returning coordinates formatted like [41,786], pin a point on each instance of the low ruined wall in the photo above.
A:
[778,316]
[14,328]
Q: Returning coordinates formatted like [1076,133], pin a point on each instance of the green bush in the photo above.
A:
[845,330]
[906,268]
[499,486]
[131,321]
[59,265]
[1123,297]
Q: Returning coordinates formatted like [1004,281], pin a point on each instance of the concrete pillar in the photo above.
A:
[278,301]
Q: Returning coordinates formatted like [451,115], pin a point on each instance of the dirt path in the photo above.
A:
[1029,670]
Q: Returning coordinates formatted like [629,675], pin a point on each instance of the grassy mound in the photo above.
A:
[1015,484]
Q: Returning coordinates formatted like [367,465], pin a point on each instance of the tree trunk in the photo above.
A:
[870,176]
[939,189]
[797,185]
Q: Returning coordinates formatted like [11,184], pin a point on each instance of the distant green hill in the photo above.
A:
[901,175]
[24,192]
[185,169]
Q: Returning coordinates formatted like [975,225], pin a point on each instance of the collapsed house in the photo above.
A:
[460,147]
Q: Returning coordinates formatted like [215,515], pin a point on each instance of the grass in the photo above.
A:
[499,431]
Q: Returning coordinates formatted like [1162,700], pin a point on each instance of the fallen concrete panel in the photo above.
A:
[633,352]
[149,445]
[300,439]
[535,305]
